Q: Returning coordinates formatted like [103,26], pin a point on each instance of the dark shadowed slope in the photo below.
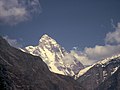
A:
[22,71]
[55,56]
[101,75]
[112,83]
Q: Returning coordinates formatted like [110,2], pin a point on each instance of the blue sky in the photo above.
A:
[72,23]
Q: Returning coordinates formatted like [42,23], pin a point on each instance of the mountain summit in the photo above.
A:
[22,71]
[56,57]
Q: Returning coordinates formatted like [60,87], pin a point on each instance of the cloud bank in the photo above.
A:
[15,11]
[12,42]
[112,47]
[113,37]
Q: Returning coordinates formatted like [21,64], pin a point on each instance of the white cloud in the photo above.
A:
[113,37]
[68,59]
[90,55]
[12,42]
[100,52]
[112,23]
[82,57]
[15,11]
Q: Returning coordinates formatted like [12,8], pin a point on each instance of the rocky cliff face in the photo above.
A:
[22,71]
[56,57]
[101,74]
[111,83]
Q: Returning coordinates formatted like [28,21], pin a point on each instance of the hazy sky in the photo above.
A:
[72,23]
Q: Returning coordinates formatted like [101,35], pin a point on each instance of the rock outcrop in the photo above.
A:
[22,71]
[101,74]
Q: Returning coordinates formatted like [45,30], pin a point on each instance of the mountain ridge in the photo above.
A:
[94,77]
[23,71]
[56,57]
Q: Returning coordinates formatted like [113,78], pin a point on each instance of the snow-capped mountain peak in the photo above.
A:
[47,39]
[55,56]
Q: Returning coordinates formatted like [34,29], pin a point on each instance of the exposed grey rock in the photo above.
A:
[22,71]
[112,83]
[55,56]
[97,75]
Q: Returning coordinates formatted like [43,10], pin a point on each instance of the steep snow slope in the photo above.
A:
[104,63]
[98,73]
[22,71]
[55,56]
